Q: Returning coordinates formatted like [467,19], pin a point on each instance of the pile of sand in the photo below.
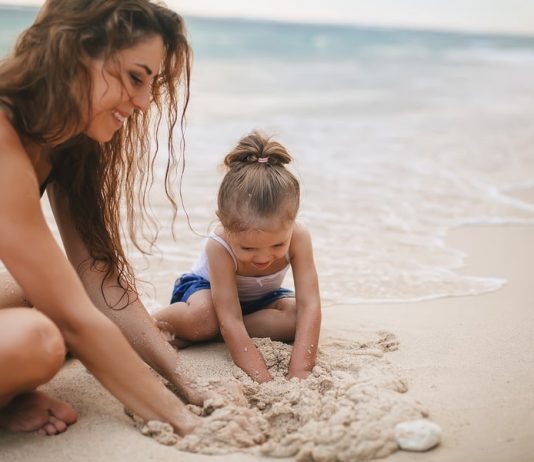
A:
[346,410]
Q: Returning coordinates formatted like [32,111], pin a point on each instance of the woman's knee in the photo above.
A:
[33,345]
[52,343]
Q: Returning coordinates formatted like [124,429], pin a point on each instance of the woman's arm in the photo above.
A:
[228,310]
[308,303]
[31,254]
[134,320]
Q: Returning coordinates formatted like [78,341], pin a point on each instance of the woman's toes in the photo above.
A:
[50,429]
[63,411]
[58,424]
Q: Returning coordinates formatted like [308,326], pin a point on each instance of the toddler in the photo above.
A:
[234,288]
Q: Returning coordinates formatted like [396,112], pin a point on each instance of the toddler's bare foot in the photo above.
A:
[37,411]
[168,332]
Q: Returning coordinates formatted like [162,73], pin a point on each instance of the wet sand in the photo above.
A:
[468,360]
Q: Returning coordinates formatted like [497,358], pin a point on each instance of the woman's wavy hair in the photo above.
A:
[46,85]
[257,186]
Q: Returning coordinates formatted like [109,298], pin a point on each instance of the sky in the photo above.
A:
[493,16]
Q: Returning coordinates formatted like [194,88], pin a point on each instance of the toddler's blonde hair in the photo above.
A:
[257,186]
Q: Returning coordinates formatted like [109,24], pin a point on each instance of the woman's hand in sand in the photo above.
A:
[217,395]
[198,393]
[231,392]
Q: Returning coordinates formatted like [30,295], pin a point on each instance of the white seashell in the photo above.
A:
[417,435]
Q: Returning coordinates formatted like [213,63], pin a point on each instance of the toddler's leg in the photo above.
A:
[192,321]
[277,321]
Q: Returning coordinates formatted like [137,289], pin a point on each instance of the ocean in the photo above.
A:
[398,136]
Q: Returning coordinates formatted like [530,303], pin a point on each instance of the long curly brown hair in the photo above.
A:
[40,84]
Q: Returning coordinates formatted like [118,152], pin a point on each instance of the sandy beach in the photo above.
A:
[467,359]
[415,154]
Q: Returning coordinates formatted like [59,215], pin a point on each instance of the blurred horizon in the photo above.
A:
[486,17]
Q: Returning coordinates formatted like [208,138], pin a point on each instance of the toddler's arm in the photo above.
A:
[308,304]
[228,310]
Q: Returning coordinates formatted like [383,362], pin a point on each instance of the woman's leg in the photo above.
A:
[31,353]
[11,293]
[277,321]
[191,321]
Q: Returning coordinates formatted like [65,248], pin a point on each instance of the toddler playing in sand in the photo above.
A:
[234,288]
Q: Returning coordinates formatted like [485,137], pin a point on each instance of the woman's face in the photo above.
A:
[122,85]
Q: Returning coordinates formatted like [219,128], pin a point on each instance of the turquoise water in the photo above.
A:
[397,136]
[232,38]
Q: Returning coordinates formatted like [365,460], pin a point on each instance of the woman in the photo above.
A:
[74,117]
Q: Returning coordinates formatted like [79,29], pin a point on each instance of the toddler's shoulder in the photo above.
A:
[301,238]
[300,230]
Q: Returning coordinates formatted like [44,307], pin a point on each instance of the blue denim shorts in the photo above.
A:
[189,283]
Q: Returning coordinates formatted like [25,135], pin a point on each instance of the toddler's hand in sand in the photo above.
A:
[299,374]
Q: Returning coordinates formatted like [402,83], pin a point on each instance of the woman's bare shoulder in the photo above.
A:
[6,126]
[5,110]
[16,169]
[10,141]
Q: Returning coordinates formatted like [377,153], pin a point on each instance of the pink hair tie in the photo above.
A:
[263,160]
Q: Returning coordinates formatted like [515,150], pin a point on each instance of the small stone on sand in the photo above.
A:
[417,435]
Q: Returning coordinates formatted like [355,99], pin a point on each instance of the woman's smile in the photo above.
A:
[120,117]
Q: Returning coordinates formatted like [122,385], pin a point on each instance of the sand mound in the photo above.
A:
[346,410]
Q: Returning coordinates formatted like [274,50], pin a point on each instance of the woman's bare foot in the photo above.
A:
[37,411]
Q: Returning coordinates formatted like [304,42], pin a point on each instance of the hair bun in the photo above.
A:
[257,147]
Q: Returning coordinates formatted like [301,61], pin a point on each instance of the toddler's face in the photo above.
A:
[260,248]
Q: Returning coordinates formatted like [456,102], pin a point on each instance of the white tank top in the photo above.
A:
[248,287]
